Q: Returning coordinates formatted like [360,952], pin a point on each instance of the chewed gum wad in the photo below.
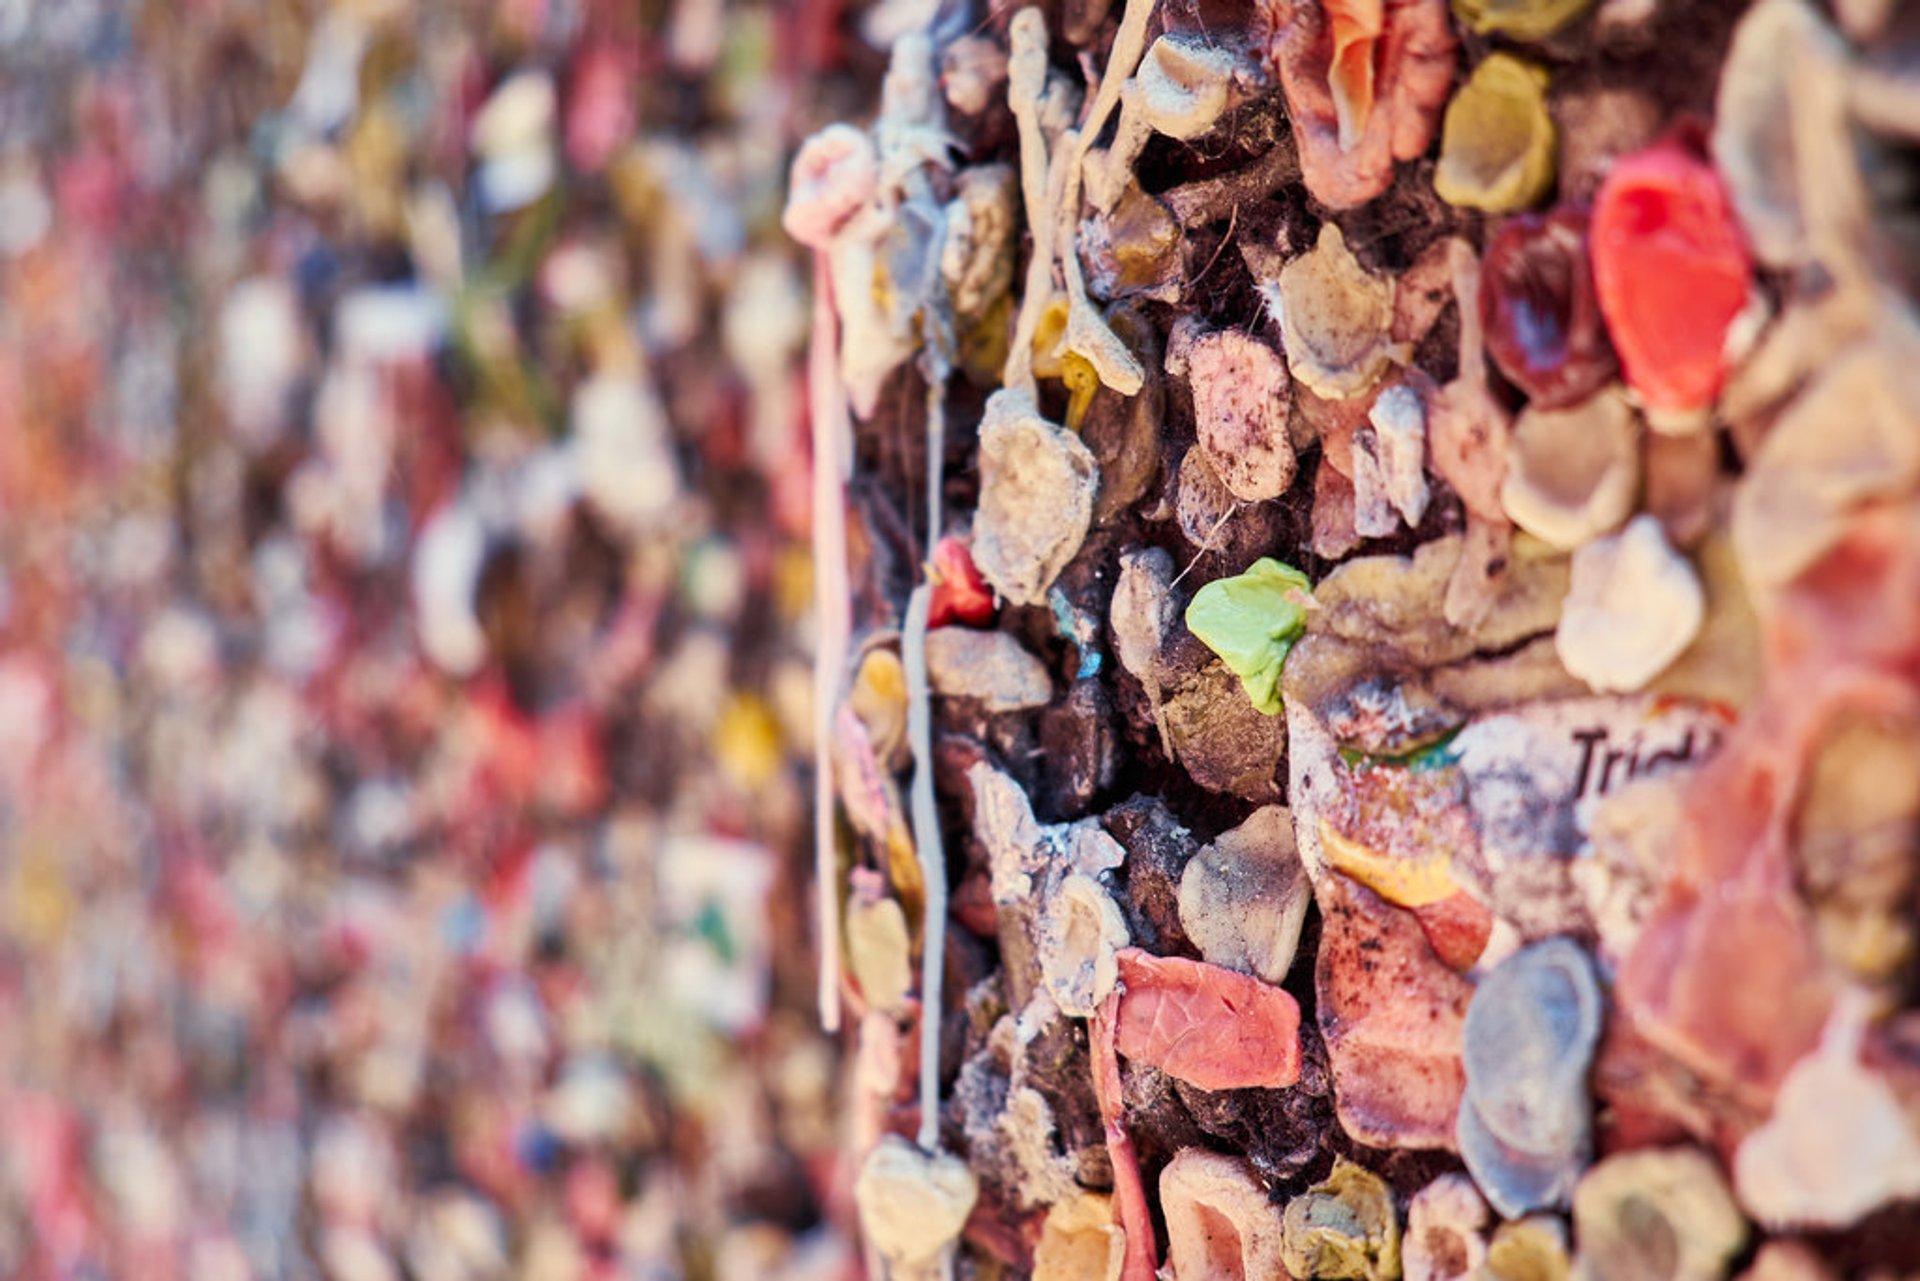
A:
[1526,1121]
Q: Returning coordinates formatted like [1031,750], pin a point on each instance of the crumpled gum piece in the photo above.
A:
[1251,620]
[1080,928]
[1424,290]
[1243,899]
[1183,85]
[1211,1027]
[1543,325]
[1334,532]
[1335,316]
[1458,929]
[976,256]
[973,69]
[1241,395]
[1529,1249]
[1446,1231]
[1037,485]
[1677,984]
[991,668]
[876,323]
[1781,102]
[1142,611]
[1344,1227]
[1179,90]
[1026,859]
[1124,432]
[1136,250]
[1356,26]
[1140,618]
[1091,338]
[1633,606]
[880,953]
[1684,486]
[1521,19]
[910,130]
[1530,1030]
[1838,1143]
[1222,739]
[1572,473]
[1497,145]
[1658,1216]
[1079,1241]
[913,1205]
[1854,836]
[1220,1224]
[1322,55]
[1525,1127]
[832,178]
[1389,453]
[878,697]
[1049,345]
[1486,549]
[1467,431]
[1848,438]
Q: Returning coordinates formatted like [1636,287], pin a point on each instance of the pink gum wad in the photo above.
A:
[1727,980]
[1393,1017]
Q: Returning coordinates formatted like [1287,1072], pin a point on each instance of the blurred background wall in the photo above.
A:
[403,640]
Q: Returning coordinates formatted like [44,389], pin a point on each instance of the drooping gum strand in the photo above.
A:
[933,863]
[1466,291]
[827,403]
[1026,81]
[1129,1193]
[1051,186]
[1129,46]
[925,814]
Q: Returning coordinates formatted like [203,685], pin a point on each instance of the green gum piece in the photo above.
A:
[1251,622]
[1497,144]
[1521,19]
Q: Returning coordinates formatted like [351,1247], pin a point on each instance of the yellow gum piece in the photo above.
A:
[1409,882]
[1049,340]
[903,870]
[1082,382]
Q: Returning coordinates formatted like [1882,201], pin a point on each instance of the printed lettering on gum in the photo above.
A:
[1504,804]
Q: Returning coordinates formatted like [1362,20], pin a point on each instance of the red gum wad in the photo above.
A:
[1672,271]
[1214,1028]
[1457,929]
[1536,301]
[960,595]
